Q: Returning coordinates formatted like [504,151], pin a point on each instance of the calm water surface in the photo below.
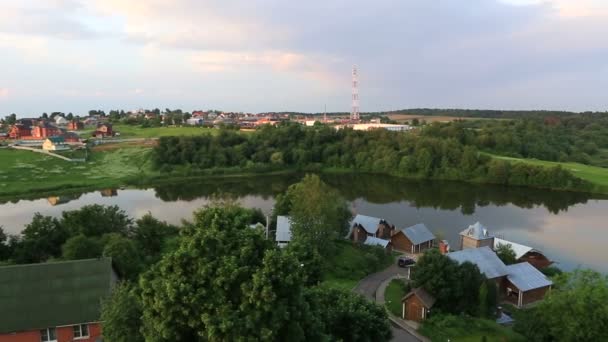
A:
[570,228]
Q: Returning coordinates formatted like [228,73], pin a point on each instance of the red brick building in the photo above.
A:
[104,130]
[55,301]
[19,131]
[75,125]
[44,130]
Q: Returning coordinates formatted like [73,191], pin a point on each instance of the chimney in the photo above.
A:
[444,247]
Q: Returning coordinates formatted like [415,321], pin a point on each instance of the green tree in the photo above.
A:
[506,253]
[346,316]
[96,220]
[319,215]
[121,315]
[244,287]
[40,240]
[82,247]
[151,234]
[124,253]
[5,248]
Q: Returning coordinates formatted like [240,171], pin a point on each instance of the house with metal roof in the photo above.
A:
[414,239]
[416,305]
[524,253]
[363,226]
[54,301]
[475,236]
[525,284]
[283,233]
[488,262]
[55,143]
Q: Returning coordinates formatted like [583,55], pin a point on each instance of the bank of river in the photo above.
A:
[569,227]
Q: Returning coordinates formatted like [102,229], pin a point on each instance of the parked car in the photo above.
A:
[405,261]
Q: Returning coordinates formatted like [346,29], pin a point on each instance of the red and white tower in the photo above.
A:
[354,113]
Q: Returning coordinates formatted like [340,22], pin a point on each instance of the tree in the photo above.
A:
[319,215]
[506,253]
[244,287]
[41,239]
[124,254]
[346,316]
[11,119]
[96,220]
[121,315]
[82,247]
[151,235]
[5,248]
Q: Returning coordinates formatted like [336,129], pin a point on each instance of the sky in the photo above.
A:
[276,55]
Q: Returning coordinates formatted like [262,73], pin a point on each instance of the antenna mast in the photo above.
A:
[354,113]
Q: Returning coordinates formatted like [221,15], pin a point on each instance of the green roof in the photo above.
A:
[56,140]
[52,294]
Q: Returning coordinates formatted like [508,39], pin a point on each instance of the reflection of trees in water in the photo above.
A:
[384,189]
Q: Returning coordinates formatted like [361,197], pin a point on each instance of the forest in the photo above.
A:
[439,151]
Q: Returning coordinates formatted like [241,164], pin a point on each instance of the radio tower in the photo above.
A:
[354,113]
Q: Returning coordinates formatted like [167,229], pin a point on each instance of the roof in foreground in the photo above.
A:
[38,296]
[520,250]
[374,241]
[283,229]
[477,231]
[526,277]
[427,299]
[418,233]
[488,262]
[369,223]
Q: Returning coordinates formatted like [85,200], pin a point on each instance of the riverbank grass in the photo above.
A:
[350,263]
[393,294]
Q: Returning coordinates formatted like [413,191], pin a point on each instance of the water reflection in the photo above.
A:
[568,227]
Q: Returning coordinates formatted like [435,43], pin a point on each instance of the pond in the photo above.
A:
[570,228]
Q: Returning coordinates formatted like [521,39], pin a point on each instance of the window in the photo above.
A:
[48,335]
[81,331]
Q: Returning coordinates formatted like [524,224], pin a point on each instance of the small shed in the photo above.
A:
[414,239]
[525,284]
[54,144]
[416,305]
[283,234]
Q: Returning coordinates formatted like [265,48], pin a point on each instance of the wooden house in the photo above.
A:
[103,130]
[414,239]
[525,254]
[55,301]
[475,236]
[54,144]
[416,305]
[363,226]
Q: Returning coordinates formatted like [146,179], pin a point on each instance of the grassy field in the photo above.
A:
[593,174]
[128,131]
[401,118]
[352,263]
[467,329]
[25,171]
[393,294]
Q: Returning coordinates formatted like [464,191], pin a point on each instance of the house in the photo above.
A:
[414,239]
[44,130]
[525,284]
[75,125]
[195,121]
[103,130]
[19,131]
[55,301]
[475,236]
[54,144]
[416,305]
[524,253]
[60,120]
[520,284]
[374,241]
[363,226]
[283,234]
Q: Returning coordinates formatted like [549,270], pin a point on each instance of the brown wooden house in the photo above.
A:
[416,305]
[104,130]
[475,236]
[414,239]
[525,254]
[363,226]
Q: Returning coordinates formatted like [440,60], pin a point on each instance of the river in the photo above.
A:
[570,228]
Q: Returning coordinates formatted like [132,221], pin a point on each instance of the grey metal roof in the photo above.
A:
[418,233]
[526,277]
[283,229]
[519,249]
[370,224]
[489,264]
[374,241]
[477,231]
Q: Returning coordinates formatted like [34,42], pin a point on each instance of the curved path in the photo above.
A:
[368,287]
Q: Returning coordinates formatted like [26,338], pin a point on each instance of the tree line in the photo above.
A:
[438,152]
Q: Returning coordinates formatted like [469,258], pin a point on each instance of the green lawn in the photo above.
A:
[128,131]
[467,329]
[25,171]
[393,294]
[593,174]
[350,263]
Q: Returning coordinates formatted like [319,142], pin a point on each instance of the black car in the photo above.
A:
[405,261]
